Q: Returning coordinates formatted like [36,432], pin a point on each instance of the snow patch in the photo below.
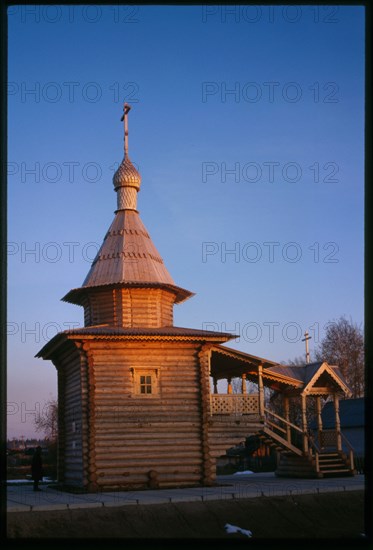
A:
[234,529]
[28,481]
[243,473]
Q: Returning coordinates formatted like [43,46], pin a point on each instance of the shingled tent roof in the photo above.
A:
[127,255]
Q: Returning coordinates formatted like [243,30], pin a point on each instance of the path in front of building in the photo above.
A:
[22,498]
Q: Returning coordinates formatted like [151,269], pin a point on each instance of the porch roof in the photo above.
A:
[230,363]
[315,378]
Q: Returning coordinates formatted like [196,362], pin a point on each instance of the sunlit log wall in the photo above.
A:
[111,436]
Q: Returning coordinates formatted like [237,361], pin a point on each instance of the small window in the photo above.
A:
[145,382]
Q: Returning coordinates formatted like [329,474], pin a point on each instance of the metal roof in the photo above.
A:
[107,332]
[303,373]
[309,373]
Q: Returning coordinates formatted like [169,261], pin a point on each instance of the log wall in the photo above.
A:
[145,440]
[130,307]
[114,437]
[71,421]
[226,431]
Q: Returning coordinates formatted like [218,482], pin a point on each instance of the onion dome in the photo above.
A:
[126,175]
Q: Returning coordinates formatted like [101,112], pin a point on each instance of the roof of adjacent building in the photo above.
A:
[351,414]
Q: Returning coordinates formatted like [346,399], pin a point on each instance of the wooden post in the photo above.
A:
[261,391]
[215,385]
[208,462]
[304,423]
[319,419]
[243,378]
[337,422]
[287,417]
[317,462]
[229,388]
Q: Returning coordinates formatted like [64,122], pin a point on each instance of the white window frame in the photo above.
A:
[137,373]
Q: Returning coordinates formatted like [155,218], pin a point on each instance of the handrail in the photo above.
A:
[347,442]
[234,403]
[283,420]
[276,426]
[350,450]
[312,443]
[234,395]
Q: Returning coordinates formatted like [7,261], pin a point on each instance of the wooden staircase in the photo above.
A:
[295,462]
[274,440]
[330,465]
[335,464]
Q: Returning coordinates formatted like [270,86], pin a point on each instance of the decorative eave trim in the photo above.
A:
[61,338]
[326,368]
[76,295]
[282,379]
[255,361]
[242,356]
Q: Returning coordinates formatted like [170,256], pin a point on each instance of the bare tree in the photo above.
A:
[46,421]
[343,345]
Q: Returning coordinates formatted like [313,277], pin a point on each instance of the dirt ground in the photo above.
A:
[329,515]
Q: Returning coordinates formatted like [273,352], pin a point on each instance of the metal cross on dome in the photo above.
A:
[126,110]
[305,339]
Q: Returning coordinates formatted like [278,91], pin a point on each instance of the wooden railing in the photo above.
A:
[238,403]
[328,438]
[235,403]
[332,438]
[287,429]
[282,420]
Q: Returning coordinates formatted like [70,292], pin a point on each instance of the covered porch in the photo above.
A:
[298,387]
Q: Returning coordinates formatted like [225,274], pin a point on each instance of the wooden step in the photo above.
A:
[338,473]
[333,468]
[328,456]
[280,440]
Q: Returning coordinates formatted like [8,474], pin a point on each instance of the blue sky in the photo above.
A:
[274,94]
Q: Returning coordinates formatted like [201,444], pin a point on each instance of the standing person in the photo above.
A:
[37,468]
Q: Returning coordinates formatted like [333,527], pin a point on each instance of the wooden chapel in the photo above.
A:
[135,408]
